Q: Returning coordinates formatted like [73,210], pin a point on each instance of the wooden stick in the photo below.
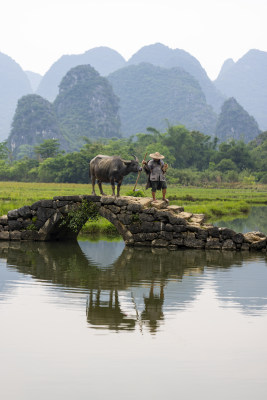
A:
[139,173]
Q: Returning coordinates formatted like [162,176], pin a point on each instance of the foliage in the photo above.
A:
[34,121]
[151,93]
[235,123]
[78,217]
[49,148]
[135,193]
[86,106]
[193,159]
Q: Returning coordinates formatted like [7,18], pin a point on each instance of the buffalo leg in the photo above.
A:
[118,188]
[93,185]
[100,188]
[113,186]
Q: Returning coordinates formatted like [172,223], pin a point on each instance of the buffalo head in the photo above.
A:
[132,165]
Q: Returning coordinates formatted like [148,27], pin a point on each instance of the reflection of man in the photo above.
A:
[156,170]
[153,308]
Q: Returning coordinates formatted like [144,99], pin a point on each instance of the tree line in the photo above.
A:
[193,157]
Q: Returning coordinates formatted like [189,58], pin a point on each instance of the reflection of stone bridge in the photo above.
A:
[140,221]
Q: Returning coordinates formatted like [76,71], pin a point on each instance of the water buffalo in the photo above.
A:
[111,169]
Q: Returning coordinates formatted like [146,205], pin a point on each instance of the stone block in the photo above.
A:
[159,243]
[30,235]
[185,215]
[175,209]
[25,212]
[159,204]
[201,234]
[44,213]
[251,237]
[213,243]
[146,217]
[107,200]
[176,220]
[126,219]
[259,245]
[35,205]
[15,235]
[3,220]
[214,232]
[120,201]
[92,198]
[179,228]
[148,227]
[135,228]
[165,235]
[4,235]
[169,228]
[68,198]
[179,241]
[14,225]
[150,210]
[226,233]
[238,238]
[13,214]
[114,209]
[194,243]
[46,203]
[134,207]
[228,244]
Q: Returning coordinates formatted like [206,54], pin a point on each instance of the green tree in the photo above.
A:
[49,148]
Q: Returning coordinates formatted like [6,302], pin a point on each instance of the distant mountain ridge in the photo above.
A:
[103,59]
[85,107]
[150,95]
[13,84]
[246,81]
[235,123]
[162,56]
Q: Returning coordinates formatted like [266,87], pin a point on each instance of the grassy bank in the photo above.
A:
[213,202]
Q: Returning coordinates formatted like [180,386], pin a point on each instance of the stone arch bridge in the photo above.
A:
[140,221]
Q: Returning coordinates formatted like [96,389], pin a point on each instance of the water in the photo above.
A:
[97,320]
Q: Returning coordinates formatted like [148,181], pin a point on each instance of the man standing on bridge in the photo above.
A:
[156,170]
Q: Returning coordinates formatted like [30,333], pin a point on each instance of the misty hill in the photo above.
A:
[246,81]
[34,121]
[103,59]
[34,79]
[149,95]
[162,56]
[86,106]
[13,84]
[235,123]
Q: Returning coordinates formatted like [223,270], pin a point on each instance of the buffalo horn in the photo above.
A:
[136,159]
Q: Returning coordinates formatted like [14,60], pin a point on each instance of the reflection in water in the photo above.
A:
[256,220]
[142,286]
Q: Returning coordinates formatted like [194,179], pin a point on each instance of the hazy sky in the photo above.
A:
[35,33]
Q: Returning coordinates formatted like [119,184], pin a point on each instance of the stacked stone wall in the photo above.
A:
[140,221]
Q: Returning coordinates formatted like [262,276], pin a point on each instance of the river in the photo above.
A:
[97,320]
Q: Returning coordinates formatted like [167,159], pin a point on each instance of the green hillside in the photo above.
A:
[34,122]
[86,106]
[162,56]
[235,123]
[150,95]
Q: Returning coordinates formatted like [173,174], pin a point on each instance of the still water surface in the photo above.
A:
[98,320]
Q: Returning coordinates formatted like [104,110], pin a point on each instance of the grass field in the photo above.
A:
[214,202]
